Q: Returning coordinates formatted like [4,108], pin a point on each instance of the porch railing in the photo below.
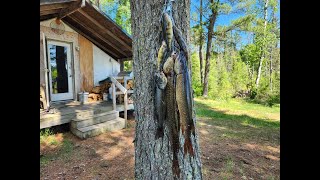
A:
[124,91]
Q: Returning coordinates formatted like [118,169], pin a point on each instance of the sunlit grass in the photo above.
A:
[249,114]
[55,146]
[63,152]
[227,172]
[47,137]
[239,119]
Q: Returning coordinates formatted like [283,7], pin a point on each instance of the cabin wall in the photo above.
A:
[104,65]
[69,36]
[86,64]
[90,63]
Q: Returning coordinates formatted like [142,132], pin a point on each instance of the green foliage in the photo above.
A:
[224,8]
[265,96]
[213,79]
[45,134]
[196,81]
[118,10]
[224,85]
[127,65]
[239,76]
[250,54]
[123,15]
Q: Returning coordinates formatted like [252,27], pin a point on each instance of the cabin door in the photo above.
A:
[60,70]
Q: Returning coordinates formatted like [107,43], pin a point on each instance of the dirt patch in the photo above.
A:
[107,156]
[111,156]
[225,157]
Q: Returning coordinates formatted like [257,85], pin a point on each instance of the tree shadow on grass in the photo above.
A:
[244,127]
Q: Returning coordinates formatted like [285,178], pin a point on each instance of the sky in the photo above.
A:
[222,20]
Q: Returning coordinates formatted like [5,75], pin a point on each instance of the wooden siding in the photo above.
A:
[69,37]
[91,23]
[42,70]
[86,64]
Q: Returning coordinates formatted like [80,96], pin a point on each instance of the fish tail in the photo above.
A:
[159,133]
[192,129]
[175,167]
[182,129]
[187,147]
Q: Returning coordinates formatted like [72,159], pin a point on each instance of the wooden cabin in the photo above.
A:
[79,47]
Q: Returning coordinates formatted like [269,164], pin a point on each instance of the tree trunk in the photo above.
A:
[271,53]
[263,48]
[270,69]
[201,44]
[154,157]
[209,49]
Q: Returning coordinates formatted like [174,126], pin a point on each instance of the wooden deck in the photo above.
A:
[63,112]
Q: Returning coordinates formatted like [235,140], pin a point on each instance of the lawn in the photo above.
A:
[238,140]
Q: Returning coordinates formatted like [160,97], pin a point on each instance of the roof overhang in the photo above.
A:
[90,22]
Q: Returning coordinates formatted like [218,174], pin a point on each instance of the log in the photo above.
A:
[95,97]
[96,90]
[105,87]
[130,84]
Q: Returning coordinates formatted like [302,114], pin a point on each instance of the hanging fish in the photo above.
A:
[168,30]
[171,119]
[182,44]
[184,101]
[169,64]
[160,106]
[161,52]
[160,80]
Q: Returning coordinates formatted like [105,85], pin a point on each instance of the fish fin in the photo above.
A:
[187,147]
[182,129]
[159,133]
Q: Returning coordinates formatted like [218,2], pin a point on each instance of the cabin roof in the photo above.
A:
[89,21]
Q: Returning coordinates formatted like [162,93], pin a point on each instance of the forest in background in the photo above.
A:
[235,58]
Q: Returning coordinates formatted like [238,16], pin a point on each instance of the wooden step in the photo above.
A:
[88,119]
[55,120]
[94,130]
[84,114]
[58,118]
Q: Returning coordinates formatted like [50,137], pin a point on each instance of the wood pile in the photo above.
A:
[130,84]
[96,94]
[95,97]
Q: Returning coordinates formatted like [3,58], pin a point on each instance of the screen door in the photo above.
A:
[60,70]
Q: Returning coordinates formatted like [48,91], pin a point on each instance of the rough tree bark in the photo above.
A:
[154,157]
[212,21]
[201,44]
[262,48]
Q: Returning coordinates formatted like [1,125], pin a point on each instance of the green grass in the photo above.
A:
[239,119]
[249,114]
[227,172]
[47,136]
[63,153]
[238,122]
